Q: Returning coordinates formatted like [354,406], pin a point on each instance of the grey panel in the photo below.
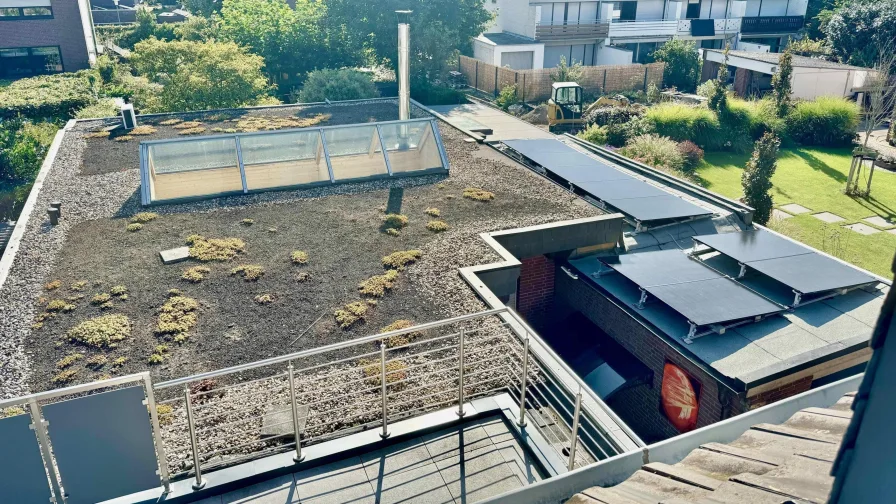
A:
[691,288]
[640,200]
[792,264]
[713,301]
[658,208]
[752,245]
[103,445]
[22,474]
[810,273]
[660,268]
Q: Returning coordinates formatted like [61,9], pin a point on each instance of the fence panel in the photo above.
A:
[22,477]
[535,85]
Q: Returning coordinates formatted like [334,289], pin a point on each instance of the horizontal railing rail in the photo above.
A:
[566,30]
[772,24]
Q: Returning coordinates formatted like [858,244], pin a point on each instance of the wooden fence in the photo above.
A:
[535,85]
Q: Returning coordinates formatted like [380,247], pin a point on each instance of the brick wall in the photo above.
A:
[64,30]
[784,391]
[639,406]
[535,295]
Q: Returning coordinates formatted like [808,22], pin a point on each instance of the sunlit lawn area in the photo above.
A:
[815,178]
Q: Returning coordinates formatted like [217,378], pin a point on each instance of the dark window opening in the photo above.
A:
[693,11]
[28,61]
[628,11]
[25,13]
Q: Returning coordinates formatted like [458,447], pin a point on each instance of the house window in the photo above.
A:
[27,61]
[693,11]
[25,13]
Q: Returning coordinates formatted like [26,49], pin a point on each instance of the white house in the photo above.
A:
[751,73]
[536,33]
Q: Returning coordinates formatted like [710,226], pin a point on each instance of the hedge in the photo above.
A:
[682,122]
[826,121]
[47,97]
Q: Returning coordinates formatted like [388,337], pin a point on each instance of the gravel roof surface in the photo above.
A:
[338,226]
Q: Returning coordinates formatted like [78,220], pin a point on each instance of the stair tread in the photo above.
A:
[682,474]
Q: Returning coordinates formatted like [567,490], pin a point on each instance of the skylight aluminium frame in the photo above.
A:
[323,147]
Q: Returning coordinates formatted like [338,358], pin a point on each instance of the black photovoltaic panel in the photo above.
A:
[694,290]
[798,267]
[636,198]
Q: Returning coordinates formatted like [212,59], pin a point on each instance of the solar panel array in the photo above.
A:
[631,196]
[798,267]
[694,290]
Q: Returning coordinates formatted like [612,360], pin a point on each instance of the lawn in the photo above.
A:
[814,178]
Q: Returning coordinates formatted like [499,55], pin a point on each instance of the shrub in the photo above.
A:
[101,332]
[214,249]
[398,260]
[656,151]
[103,108]
[247,222]
[23,146]
[47,97]
[11,412]
[619,134]
[428,94]
[65,376]
[707,89]
[396,371]
[118,290]
[377,285]
[68,360]
[393,232]
[433,212]
[437,226]
[827,121]
[394,221]
[177,316]
[97,361]
[264,299]
[53,285]
[757,177]
[682,64]
[119,362]
[299,257]
[195,274]
[79,285]
[58,305]
[692,155]
[686,122]
[350,314]
[594,134]
[144,217]
[506,97]
[477,194]
[303,277]
[605,116]
[155,359]
[101,298]
[134,227]
[165,414]
[337,85]
[249,272]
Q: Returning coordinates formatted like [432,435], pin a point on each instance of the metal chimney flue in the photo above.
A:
[404,64]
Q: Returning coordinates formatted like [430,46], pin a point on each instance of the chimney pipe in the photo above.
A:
[404,65]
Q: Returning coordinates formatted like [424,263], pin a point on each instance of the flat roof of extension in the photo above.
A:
[96,177]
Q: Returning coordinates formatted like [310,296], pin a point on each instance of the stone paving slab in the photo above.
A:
[862,229]
[877,220]
[397,458]
[422,484]
[891,231]
[478,475]
[175,255]
[442,445]
[337,483]
[794,209]
[778,214]
[828,217]
[280,490]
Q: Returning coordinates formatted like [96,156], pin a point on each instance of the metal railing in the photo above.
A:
[561,31]
[282,404]
[772,24]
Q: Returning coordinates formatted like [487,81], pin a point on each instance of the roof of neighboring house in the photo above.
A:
[769,463]
[505,38]
[798,61]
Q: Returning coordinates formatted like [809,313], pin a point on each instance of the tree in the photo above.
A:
[718,99]
[880,88]
[292,42]
[781,83]
[567,73]
[858,29]
[200,75]
[369,29]
[682,64]
[204,8]
[818,13]
[757,177]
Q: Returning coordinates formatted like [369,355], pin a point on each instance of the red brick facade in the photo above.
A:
[535,295]
[64,30]
[784,391]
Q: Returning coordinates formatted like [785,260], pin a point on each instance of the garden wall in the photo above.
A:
[535,85]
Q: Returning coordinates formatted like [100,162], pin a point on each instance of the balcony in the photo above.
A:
[571,31]
[772,24]
[643,28]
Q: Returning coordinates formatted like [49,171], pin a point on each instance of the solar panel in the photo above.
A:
[794,265]
[631,196]
[694,290]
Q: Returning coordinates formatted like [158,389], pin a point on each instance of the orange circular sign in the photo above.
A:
[679,399]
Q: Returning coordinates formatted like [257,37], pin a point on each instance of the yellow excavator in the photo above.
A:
[566,107]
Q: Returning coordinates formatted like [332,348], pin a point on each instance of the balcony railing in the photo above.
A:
[772,24]
[643,28]
[570,31]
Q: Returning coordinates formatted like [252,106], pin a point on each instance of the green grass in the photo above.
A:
[815,178]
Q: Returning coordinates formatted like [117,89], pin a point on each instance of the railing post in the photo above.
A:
[522,421]
[460,379]
[199,483]
[385,432]
[575,431]
[299,456]
[157,433]
[39,425]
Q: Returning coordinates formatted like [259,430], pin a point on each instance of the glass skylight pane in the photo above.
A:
[283,159]
[193,168]
[355,152]
[411,146]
